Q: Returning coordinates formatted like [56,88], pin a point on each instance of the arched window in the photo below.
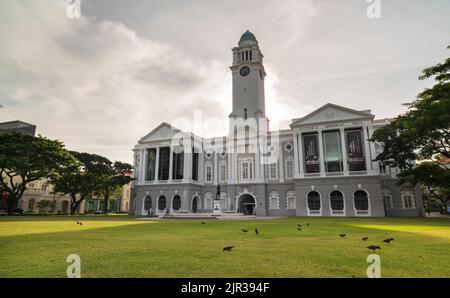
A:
[274,200]
[337,200]
[162,203]
[361,200]
[314,206]
[147,203]
[176,203]
[291,200]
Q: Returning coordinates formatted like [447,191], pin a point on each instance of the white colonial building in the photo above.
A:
[322,166]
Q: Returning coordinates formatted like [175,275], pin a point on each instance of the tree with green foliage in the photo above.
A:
[82,179]
[422,135]
[25,158]
[114,177]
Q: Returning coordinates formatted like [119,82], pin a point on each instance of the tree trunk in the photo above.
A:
[10,203]
[105,206]
[74,205]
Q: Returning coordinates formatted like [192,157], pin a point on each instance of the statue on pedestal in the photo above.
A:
[218,192]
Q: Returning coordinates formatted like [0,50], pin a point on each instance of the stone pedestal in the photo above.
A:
[217,207]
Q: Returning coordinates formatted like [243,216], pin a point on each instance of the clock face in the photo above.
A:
[244,71]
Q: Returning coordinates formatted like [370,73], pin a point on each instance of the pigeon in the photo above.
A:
[256,232]
[228,248]
[364,238]
[373,247]
[299,228]
[203,222]
[388,241]
[78,222]
[81,223]
[299,225]
[307,224]
[342,235]
[245,231]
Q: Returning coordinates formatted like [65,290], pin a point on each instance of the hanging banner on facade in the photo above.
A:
[311,149]
[355,150]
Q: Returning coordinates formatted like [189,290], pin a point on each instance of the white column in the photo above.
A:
[280,163]
[344,151]
[142,154]
[300,155]
[257,161]
[215,172]
[296,155]
[321,157]
[189,157]
[375,167]
[157,164]
[170,163]
[367,150]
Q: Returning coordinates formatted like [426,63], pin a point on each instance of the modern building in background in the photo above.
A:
[39,196]
[18,126]
[324,162]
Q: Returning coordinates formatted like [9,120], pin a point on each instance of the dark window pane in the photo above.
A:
[337,200]
[355,150]
[311,153]
[151,160]
[195,166]
[361,200]
[177,165]
[176,203]
[313,200]
[147,203]
[162,203]
[164,156]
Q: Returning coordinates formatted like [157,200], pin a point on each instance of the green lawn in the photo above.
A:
[120,246]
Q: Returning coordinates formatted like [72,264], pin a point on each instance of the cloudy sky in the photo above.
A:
[102,81]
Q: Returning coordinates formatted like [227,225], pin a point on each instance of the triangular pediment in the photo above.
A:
[162,132]
[332,113]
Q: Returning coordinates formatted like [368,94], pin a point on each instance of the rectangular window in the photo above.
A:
[355,150]
[223,173]
[151,160]
[408,201]
[208,172]
[273,171]
[177,165]
[164,156]
[332,151]
[311,153]
[195,165]
[245,170]
[289,169]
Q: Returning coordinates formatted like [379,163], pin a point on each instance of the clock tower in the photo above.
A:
[248,79]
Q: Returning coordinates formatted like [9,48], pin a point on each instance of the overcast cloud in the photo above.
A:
[101,82]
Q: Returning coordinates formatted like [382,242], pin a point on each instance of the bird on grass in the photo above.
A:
[245,231]
[299,225]
[203,223]
[307,224]
[364,238]
[81,223]
[300,229]
[373,247]
[78,222]
[228,248]
[388,241]
[342,235]
[256,232]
